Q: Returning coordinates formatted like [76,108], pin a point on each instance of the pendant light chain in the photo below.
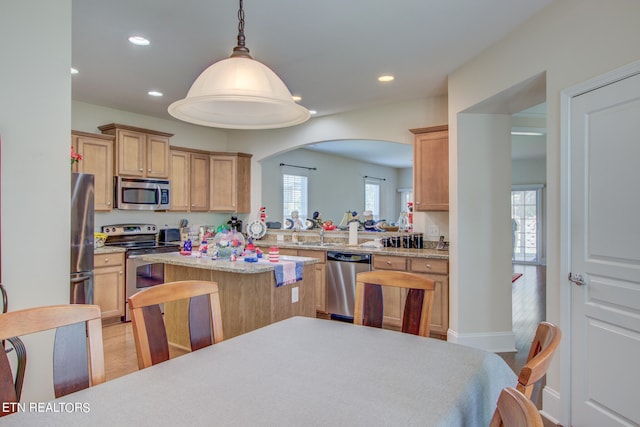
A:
[241,49]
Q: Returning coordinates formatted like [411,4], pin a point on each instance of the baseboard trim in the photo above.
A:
[551,405]
[496,342]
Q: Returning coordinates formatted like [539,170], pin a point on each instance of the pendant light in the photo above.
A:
[239,93]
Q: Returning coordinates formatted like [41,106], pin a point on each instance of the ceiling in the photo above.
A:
[329,52]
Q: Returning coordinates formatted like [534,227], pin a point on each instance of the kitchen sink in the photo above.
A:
[317,244]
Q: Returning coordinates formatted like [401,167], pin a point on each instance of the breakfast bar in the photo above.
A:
[249,295]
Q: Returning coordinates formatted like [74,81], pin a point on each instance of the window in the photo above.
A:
[294,195]
[372,197]
[526,224]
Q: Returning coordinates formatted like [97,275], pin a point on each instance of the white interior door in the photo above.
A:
[605,251]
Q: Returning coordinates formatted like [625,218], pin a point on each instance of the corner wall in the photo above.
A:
[572,41]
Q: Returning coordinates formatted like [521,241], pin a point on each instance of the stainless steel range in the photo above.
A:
[138,240]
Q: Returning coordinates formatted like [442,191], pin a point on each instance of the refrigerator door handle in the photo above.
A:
[80,279]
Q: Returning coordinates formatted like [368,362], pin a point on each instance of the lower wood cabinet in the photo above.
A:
[320,271]
[394,299]
[108,284]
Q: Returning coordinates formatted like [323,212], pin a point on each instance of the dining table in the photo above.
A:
[297,372]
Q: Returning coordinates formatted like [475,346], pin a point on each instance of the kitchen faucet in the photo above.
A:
[321,236]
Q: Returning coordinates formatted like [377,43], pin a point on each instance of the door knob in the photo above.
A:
[576,278]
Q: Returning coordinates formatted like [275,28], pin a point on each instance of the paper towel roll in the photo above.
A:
[353,233]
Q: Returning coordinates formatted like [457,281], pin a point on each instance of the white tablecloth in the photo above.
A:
[298,372]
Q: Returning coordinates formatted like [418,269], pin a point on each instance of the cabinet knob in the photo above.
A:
[108,203]
[429,266]
[141,170]
[149,170]
[388,262]
[120,272]
[106,260]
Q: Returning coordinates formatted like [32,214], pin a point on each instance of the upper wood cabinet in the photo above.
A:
[431,168]
[97,159]
[203,181]
[140,152]
[179,175]
[199,182]
[230,184]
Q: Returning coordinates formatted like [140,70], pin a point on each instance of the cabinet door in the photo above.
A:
[440,309]
[243,184]
[199,182]
[157,163]
[131,153]
[179,178]
[97,159]
[431,171]
[320,271]
[108,291]
[223,189]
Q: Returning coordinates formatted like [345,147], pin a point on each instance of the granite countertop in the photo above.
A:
[417,253]
[239,266]
[108,250]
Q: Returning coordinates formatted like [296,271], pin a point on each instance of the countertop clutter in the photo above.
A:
[239,266]
[368,242]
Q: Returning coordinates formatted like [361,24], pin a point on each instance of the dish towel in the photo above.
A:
[286,272]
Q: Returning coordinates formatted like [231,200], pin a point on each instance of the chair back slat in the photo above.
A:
[413,312]
[200,322]
[373,309]
[156,333]
[70,359]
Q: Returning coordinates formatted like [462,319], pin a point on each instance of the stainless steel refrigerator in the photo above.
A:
[82,226]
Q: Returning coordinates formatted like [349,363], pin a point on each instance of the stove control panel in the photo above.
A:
[129,229]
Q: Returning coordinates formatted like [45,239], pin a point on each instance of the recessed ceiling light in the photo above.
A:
[527,133]
[297,98]
[313,111]
[385,79]
[74,71]
[140,41]
[155,93]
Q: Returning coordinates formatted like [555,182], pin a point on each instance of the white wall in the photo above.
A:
[35,118]
[529,171]
[388,123]
[571,41]
[336,186]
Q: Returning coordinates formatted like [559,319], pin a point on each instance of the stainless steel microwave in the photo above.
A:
[141,194]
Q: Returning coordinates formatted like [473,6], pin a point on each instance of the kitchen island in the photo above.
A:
[249,298]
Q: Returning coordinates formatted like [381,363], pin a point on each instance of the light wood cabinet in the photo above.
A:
[97,159]
[431,168]
[394,298]
[179,177]
[230,185]
[140,152]
[108,284]
[199,182]
[320,271]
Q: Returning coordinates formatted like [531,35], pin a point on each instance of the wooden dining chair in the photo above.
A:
[369,305]
[543,346]
[16,346]
[78,354]
[150,335]
[514,409]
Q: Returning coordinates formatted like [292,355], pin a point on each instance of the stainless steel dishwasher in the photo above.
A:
[342,268]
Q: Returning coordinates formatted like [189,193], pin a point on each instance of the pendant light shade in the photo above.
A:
[239,93]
